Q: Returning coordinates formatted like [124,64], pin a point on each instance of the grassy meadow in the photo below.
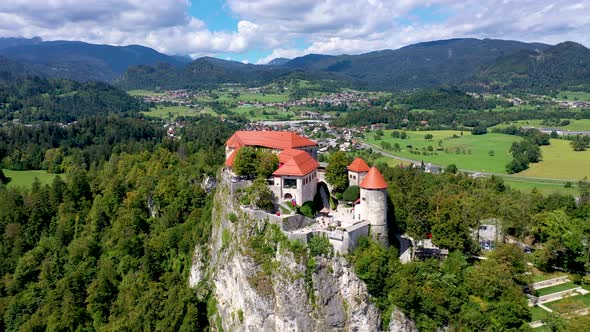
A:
[172,112]
[144,93]
[467,151]
[574,95]
[26,178]
[575,125]
[560,162]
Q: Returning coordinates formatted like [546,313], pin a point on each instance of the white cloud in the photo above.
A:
[326,26]
[162,24]
[389,24]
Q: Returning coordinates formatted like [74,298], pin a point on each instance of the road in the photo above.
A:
[514,178]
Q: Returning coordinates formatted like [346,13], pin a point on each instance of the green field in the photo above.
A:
[538,314]
[145,93]
[466,151]
[539,275]
[263,98]
[555,289]
[172,112]
[573,95]
[263,113]
[575,125]
[560,162]
[26,178]
[544,187]
[569,304]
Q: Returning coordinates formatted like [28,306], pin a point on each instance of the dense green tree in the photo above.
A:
[351,193]
[451,168]
[3,178]
[268,163]
[336,171]
[246,161]
[580,143]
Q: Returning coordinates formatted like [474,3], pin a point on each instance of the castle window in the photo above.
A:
[290,183]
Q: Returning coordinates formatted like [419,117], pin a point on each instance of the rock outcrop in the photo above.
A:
[263,282]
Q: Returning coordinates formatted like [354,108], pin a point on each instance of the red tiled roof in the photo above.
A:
[373,180]
[296,163]
[358,165]
[268,139]
[230,161]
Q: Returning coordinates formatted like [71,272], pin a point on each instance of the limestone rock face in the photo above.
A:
[399,322]
[289,291]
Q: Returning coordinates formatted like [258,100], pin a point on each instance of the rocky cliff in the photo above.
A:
[261,281]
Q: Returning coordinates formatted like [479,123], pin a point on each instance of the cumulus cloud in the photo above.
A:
[282,26]
[362,26]
[162,24]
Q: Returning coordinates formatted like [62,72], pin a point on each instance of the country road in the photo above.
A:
[515,178]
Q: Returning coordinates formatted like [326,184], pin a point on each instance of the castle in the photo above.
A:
[298,175]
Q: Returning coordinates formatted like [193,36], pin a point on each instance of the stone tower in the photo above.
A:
[373,205]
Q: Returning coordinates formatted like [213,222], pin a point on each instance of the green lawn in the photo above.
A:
[466,151]
[545,188]
[542,276]
[560,162]
[573,95]
[575,125]
[26,178]
[263,98]
[538,314]
[172,112]
[569,304]
[144,93]
[555,289]
[263,113]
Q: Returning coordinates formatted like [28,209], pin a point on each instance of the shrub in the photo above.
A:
[351,193]
[479,130]
[320,246]
[308,209]
[232,217]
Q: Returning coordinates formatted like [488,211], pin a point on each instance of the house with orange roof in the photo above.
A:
[276,141]
[357,171]
[296,178]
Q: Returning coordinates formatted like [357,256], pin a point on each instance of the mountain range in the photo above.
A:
[486,64]
[80,61]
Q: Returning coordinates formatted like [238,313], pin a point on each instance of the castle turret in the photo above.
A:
[373,205]
[357,170]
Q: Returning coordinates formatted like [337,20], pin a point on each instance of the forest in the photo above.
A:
[35,99]
[107,246]
[458,292]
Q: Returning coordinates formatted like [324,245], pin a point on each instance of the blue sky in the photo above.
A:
[256,31]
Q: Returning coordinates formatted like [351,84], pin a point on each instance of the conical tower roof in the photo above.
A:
[373,180]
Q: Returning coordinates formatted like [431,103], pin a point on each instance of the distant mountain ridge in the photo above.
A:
[81,61]
[427,64]
[486,64]
[423,65]
[278,61]
[563,65]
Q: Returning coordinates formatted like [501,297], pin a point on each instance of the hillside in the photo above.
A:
[80,61]
[563,65]
[208,72]
[421,65]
